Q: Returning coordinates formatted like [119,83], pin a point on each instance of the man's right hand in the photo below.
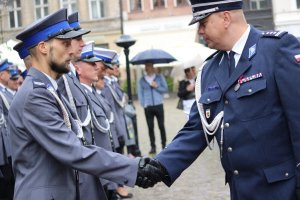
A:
[150,172]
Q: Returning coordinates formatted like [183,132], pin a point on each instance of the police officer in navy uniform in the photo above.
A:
[47,152]
[247,98]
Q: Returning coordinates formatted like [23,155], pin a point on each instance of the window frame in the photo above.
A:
[101,12]
[42,7]
[14,9]
[69,5]
[133,11]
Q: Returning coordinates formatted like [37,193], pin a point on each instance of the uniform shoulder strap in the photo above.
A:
[37,83]
[273,34]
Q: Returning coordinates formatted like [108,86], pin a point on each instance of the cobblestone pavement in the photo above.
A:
[203,180]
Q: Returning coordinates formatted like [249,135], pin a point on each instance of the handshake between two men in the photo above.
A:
[150,172]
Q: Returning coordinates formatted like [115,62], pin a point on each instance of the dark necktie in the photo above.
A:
[231,62]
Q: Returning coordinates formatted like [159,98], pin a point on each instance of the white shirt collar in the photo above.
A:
[108,80]
[88,87]
[13,92]
[72,68]
[53,82]
[1,85]
[240,44]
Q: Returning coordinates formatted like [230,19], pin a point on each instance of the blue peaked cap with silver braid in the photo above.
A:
[203,8]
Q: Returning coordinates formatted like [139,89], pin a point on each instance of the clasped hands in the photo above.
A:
[150,172]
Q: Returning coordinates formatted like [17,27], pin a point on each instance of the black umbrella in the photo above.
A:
[154,56]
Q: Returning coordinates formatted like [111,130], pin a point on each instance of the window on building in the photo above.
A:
[258,4]
[14,12]
[41,8]
[96,9]
[159,4]
[135,5]
[71,5]
[181,2]
[298,4]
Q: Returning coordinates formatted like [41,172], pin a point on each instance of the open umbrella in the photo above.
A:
[153,56]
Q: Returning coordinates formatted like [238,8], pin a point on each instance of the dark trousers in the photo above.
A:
[7,183]
[158,112]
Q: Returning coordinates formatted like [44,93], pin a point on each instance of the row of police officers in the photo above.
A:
[65,129]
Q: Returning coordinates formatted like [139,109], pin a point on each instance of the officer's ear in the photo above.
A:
[77,67]
[227,18]
[42,47]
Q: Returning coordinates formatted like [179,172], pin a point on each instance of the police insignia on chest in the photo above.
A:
[207,113]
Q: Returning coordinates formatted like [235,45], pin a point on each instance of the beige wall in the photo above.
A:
[104,31]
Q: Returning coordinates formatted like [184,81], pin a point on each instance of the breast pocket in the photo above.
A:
[251,88]
[252,100]
[210,101]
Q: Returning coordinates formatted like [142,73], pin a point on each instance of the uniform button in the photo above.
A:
[236,172]
[208,100]
[286,174]
[250,90]
[229,149]
[226,101]
[126,181]
[226,125]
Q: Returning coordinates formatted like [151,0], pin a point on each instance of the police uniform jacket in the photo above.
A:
[46,152]
[102,138]
[89,185]
[261,147]
[107,108]
[118,111]
[5,142]
[80,100]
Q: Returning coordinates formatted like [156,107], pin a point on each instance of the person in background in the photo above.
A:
[13,82]
[186,89]
[7,180]
[151,88]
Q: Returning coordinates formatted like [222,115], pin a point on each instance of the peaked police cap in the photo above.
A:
[52,26]
[74,23]
[203,8]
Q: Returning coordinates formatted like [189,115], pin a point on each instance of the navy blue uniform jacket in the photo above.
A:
[261,147]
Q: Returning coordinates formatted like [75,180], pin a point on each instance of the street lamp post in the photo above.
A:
[126,41]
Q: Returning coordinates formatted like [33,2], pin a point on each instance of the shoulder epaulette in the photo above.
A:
[38,83]
[273,34]
[212,55]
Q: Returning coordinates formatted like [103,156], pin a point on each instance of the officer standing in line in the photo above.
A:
[70,87]
[12,84]
[247,97]
[24,55]
[107,57]
[7,181]
[113,95]
[46,140]
[87,70]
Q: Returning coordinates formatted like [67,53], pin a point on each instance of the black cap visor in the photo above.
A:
[91,59]
[199,18]
[68,35]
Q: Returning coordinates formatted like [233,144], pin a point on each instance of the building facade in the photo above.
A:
[259,13]
[102,17]
[287,16]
